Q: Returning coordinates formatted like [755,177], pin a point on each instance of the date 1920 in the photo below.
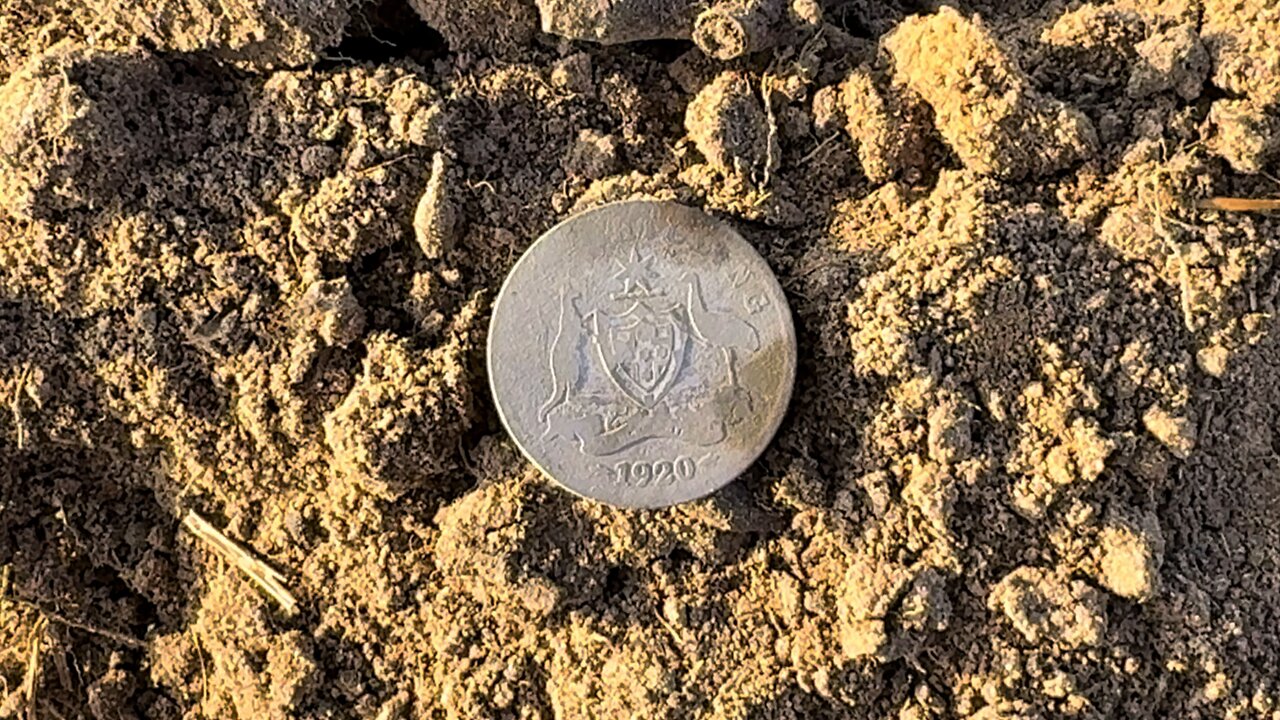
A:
[656,473]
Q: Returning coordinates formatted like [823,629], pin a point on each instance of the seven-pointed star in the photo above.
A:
[636,274]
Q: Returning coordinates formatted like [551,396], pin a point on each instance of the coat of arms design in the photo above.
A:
[644,359]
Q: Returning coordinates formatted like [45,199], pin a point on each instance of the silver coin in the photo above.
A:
[642,354]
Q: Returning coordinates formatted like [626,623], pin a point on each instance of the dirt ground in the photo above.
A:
[248,250]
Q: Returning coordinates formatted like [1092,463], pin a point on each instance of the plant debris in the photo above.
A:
[266,577]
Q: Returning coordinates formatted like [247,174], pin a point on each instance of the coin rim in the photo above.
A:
[789,330]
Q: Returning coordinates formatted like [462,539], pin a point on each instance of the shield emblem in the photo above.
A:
[642,351]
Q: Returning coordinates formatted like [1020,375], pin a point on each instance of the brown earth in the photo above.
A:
[248,251]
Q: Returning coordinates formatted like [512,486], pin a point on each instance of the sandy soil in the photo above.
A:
[247,254]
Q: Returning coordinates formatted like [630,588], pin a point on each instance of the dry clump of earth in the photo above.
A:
[248,250]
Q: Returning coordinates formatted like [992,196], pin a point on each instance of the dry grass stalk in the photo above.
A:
[1230,204]
[34,666]
[766,94]
[23,699]
[1156,202]
[15,406]
[264,575]
[1176,251]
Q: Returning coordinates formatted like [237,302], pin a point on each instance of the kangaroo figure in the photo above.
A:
[563,348]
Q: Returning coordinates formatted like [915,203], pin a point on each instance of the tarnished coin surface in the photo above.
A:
[642,354]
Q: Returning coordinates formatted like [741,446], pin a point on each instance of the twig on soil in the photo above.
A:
[46,615]
[485,184]
[118,637]
[820,147]
[1230,204]
[385,163]
[264,575]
